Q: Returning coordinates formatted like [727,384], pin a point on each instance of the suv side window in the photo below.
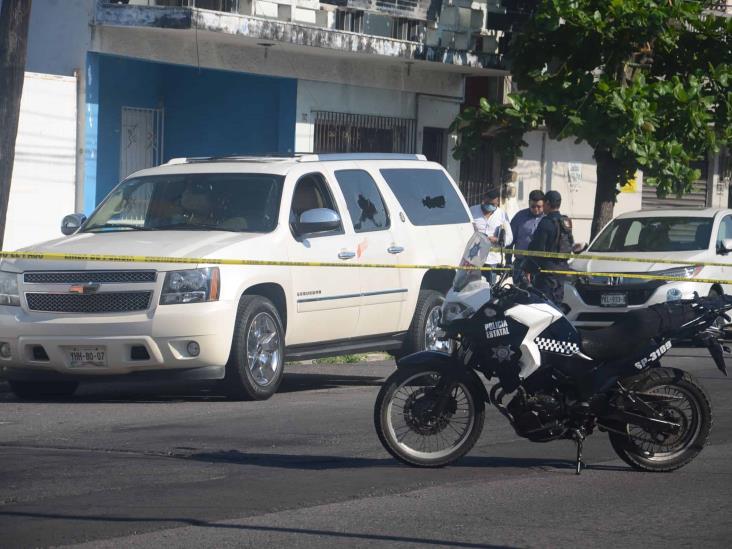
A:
[725,230]
[427,196]
[311,191]
[365,204]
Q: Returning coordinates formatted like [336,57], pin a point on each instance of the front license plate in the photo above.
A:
[614,300]
[87,357]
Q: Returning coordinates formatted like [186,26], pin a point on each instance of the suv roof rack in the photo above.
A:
[360,156]
[300,157]
[233,158]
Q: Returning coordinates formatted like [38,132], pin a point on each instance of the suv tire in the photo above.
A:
[256,363]
[35,390]
[421,330]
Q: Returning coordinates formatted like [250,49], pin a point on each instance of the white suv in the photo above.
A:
[62,322]
[686,237]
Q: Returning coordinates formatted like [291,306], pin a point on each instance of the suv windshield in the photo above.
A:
[655,234]
[238,202]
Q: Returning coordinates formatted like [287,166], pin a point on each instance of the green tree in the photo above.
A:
[14,21]
[645,83]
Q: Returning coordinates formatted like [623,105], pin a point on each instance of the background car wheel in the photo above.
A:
[32,390]
[425,333]
[256,362]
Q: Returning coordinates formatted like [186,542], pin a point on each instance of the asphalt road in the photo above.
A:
[134,466]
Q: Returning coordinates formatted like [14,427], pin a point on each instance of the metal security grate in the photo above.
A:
[344,132]
[83,277]
[113,302]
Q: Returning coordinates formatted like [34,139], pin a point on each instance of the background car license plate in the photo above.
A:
[80,357]
[614,300]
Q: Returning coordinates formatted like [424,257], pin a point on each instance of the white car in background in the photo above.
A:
[65,321]
[686,237]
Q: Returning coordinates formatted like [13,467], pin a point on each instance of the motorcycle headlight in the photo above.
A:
[681,272]
[9,289]
[191,286]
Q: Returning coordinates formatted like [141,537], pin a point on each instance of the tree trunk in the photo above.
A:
[14,21]
[608,176]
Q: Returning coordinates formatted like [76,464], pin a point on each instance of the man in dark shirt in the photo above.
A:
[523,226]
[546,239]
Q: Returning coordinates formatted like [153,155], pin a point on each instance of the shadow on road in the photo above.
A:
[343,536]
[139,392]
[311,382]
[317,463]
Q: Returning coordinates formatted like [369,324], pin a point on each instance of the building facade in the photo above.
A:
[158,79]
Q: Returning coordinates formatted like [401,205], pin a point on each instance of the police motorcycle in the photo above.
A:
[549,379]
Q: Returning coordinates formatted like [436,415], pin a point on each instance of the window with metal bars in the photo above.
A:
[346,132]
[406,29]
[347,20]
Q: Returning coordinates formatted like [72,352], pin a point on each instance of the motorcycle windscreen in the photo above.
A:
[475,255]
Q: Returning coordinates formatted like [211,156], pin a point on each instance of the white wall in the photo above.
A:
[42,189]
[439,112]
[578,200]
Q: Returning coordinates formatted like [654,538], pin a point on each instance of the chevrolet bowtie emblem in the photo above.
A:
[89,288]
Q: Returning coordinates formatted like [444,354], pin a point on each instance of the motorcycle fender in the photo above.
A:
[446,362]
[426,357]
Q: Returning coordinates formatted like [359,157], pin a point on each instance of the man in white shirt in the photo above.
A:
[493,221]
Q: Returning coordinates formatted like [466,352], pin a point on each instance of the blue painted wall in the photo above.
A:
[123,82]
[91,132]
[207,112]
[217,113]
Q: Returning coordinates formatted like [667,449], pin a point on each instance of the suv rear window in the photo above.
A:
[367,209]
[427,196]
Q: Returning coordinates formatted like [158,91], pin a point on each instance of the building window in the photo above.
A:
[406,29]
[345,132]
[351,21]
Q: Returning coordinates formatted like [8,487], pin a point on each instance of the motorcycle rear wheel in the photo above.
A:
[688,405]
[410,428]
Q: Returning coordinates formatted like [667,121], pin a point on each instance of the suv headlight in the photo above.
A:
[9,289]
[681,272]
[191,286]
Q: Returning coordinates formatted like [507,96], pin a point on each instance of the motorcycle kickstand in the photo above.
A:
[579,438]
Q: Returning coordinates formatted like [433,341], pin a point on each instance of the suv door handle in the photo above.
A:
[346,255]
[395,249]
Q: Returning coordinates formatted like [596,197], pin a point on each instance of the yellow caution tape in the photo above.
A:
[584,256]
[51,256]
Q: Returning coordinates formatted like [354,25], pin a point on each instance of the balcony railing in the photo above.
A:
[230,6]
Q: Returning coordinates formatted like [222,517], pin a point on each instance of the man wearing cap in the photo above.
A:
[553,230]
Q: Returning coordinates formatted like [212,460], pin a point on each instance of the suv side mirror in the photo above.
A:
[71,223]
[579,247]
[318,220]
[724,246]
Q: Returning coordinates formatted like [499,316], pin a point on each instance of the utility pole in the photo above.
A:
[14,21]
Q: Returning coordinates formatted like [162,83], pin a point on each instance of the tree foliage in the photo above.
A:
[645,83]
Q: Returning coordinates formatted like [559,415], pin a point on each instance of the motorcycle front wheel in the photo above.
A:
[429,416]
[677,397]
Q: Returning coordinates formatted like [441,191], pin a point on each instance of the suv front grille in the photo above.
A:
[111,302]
[637,294]
[83,277]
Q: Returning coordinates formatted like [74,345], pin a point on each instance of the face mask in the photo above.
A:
[488,208]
